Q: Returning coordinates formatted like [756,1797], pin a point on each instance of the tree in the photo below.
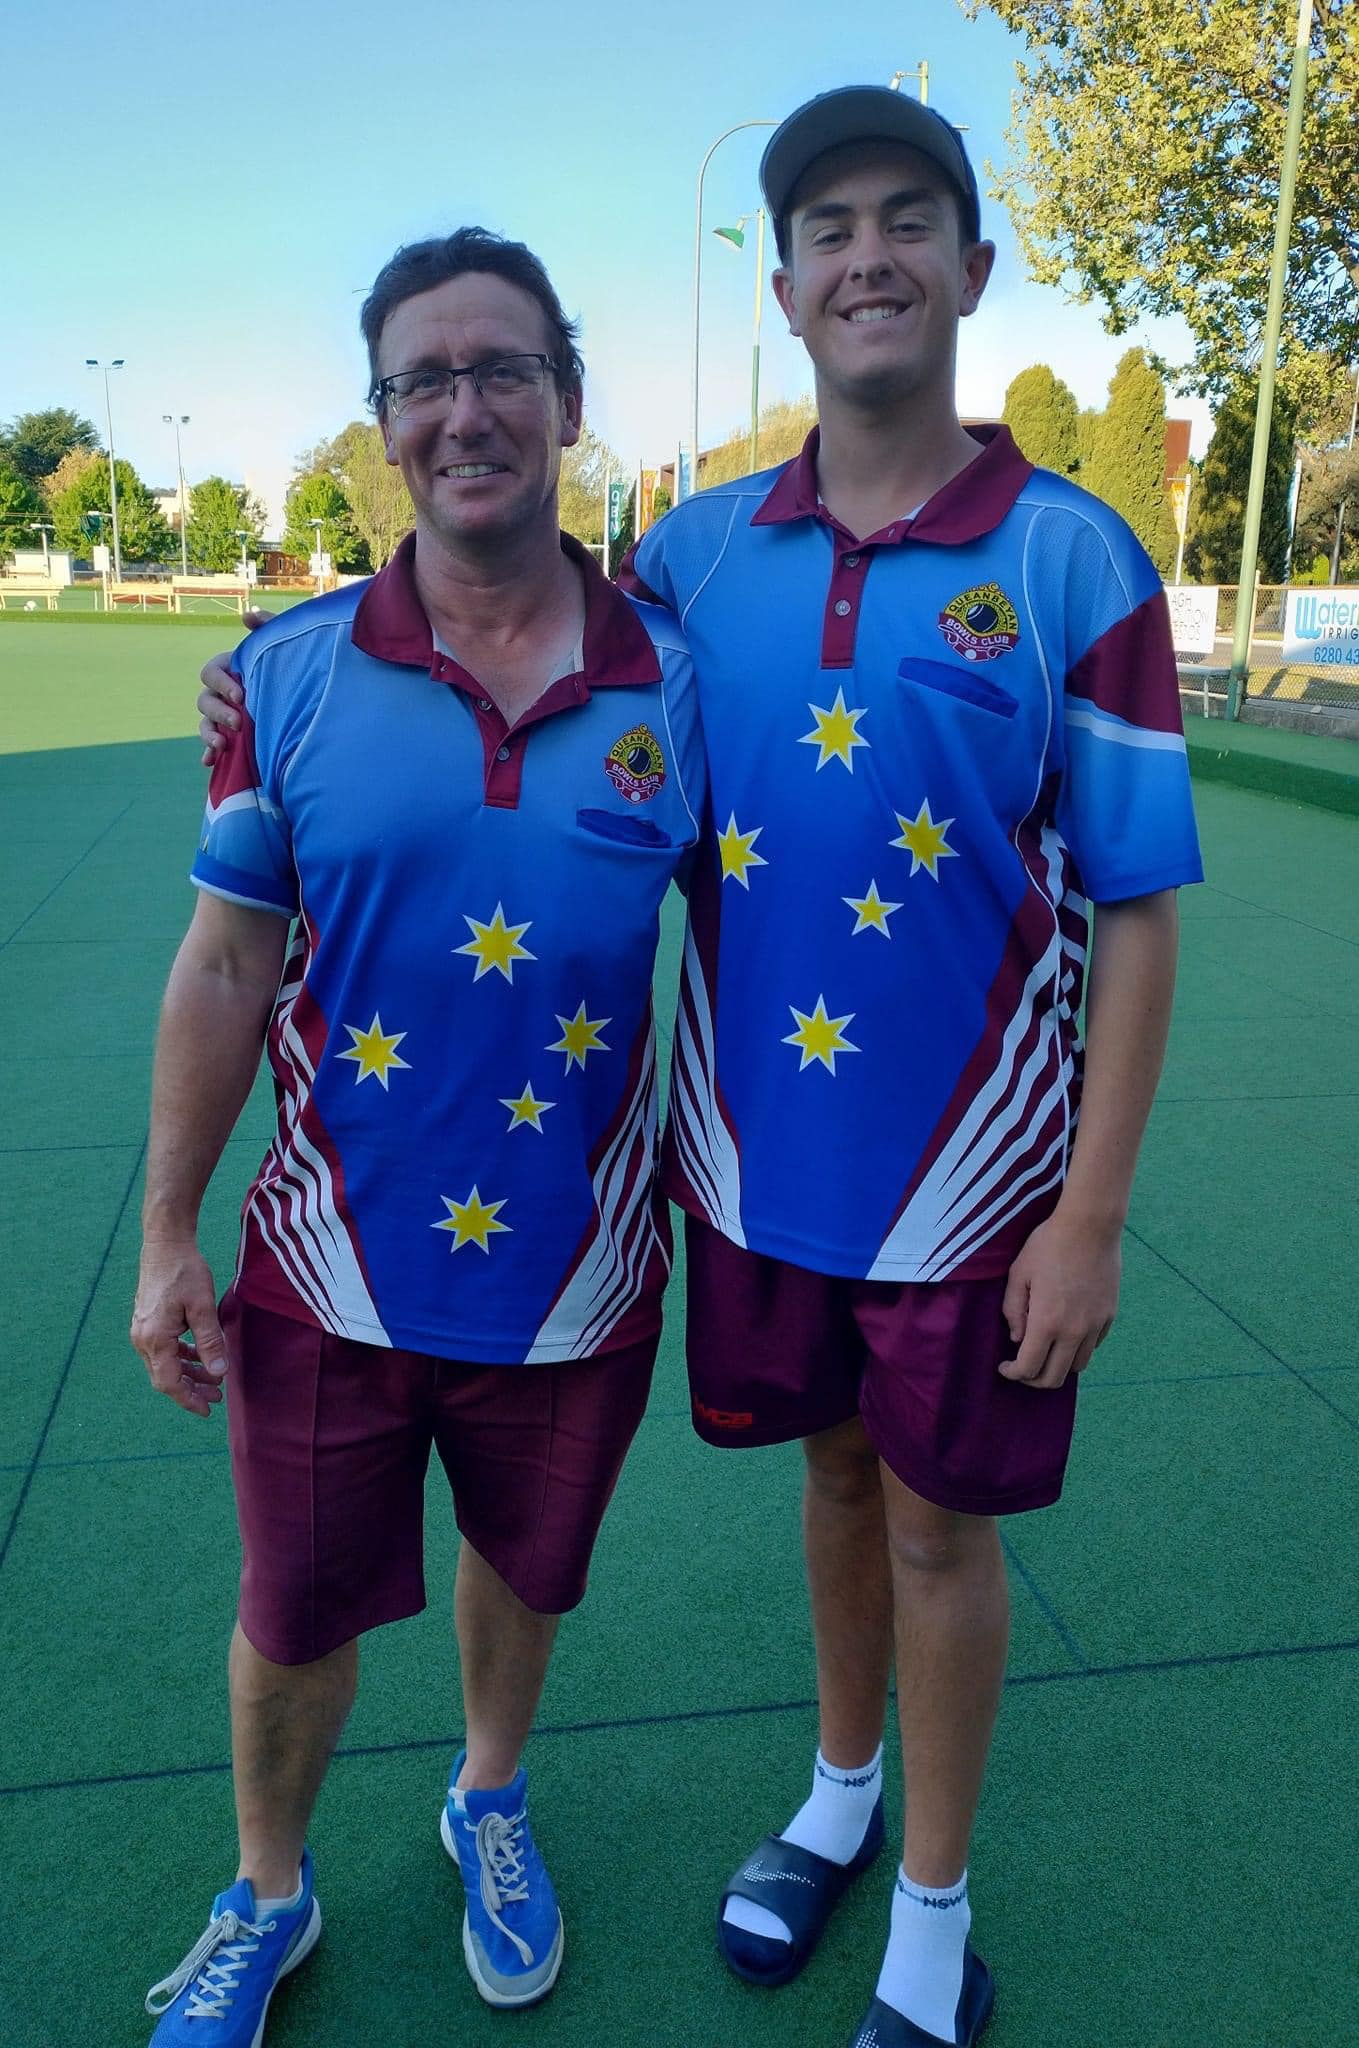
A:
[1087,425]
[320,496]
[1329,503]
[1147,140]
[143,535]
[218,510]
[1041,413]
[19,506]
[1217,508]
[585,470]
[35,442]
[379,502]
[1127,466]
[783,429]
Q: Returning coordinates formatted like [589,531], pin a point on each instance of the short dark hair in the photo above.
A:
[423,266]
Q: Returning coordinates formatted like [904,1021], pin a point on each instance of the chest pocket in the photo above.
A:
[966,685]
[625,827]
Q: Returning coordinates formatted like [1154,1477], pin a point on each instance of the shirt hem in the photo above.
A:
[988,1262]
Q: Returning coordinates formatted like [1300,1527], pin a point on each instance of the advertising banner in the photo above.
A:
[1321,628]
[1193,618]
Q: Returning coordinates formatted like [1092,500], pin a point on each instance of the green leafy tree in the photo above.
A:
[379,502]
[1041,413]
[143,533]
[783,429]
[19,506]
[1127,466]
[660,503]
[35,442]
[320,496]
[217,510]
[1328,503]
[585,470]
[1146,142]
[1217,507]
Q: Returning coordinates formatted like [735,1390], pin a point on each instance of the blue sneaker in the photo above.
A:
[512,1929]
[230,1974]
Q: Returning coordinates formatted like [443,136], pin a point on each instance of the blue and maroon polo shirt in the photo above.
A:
[463,1047]
[927,751]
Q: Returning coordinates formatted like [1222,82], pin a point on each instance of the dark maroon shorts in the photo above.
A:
[330,1443]
[778,1352]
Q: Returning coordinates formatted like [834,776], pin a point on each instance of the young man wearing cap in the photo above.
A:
[941,716]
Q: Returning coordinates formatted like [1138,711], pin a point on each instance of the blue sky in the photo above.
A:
[209,193]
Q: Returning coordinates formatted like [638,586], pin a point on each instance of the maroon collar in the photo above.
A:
[969,505]
[391,625]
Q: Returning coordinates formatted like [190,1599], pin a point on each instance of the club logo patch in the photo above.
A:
[980,623]
[635,765]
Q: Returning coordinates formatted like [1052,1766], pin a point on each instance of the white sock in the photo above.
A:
[264,1907]
[832,1823]
[922,1972]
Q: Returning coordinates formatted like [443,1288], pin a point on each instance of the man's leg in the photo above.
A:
[285,1723]
[952,1633]
[850,1585]
[504,1648]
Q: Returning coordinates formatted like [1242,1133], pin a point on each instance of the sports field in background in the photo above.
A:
[1166,1853]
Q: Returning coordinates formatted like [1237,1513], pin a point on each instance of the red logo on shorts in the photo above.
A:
[722,1418]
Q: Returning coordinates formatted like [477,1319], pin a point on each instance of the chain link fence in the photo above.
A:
[1328,681]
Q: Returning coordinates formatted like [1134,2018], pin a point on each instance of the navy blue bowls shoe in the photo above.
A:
[882,2026]
[802,1889]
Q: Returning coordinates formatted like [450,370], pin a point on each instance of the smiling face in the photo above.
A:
[878,274]
[477,471]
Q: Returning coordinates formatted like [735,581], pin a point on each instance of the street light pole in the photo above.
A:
[698,272]
[243,536]
[316,551]
[178,420]
[93,363]
[41,526]
[737,240]
[922,72]
[1269,362]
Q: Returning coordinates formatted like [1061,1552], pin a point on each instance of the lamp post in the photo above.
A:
[316,550]
[1269,363]
[93,363]
[178,420]
[737,238]
[243,536]
[41,526]
[698,272]
[922,72]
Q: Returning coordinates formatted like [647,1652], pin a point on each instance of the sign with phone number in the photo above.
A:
[1321,628]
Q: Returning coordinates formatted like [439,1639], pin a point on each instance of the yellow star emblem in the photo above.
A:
[495,945]
[836,733]
[471,1222]
[871,912]
[819,1037]
[374,1051]
[923,838]
[737,851]
[580,1034]
[525,1108]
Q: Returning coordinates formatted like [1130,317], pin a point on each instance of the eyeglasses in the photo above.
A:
[500,381]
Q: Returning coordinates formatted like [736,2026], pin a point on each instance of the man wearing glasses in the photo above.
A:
[463,788]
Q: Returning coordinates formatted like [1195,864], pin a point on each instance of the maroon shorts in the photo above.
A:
[330,1443]
[777,1352]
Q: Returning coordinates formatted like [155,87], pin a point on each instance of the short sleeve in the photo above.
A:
[1125,809]
[245,849]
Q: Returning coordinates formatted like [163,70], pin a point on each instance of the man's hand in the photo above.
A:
[1061,1299]
[175,1293]
[220,694]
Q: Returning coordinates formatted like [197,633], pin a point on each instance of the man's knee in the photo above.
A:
[928,1541]
[842,1466]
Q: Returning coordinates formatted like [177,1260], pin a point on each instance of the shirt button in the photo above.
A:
[483,703]
[851,561]
[843,607]
[502,753]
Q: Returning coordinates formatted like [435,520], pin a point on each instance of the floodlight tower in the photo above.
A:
[93,363]
[178,420]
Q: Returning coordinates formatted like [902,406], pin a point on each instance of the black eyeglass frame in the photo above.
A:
[382,390]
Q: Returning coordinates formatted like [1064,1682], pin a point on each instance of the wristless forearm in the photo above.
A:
[207,1052]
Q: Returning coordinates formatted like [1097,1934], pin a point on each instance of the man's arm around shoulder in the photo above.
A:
[217,1006]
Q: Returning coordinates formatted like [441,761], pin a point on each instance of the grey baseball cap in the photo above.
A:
[864,113]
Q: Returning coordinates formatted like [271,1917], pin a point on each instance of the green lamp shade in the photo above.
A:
[736,236]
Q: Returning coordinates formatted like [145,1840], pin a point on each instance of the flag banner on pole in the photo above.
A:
[618,499]
[648,509]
